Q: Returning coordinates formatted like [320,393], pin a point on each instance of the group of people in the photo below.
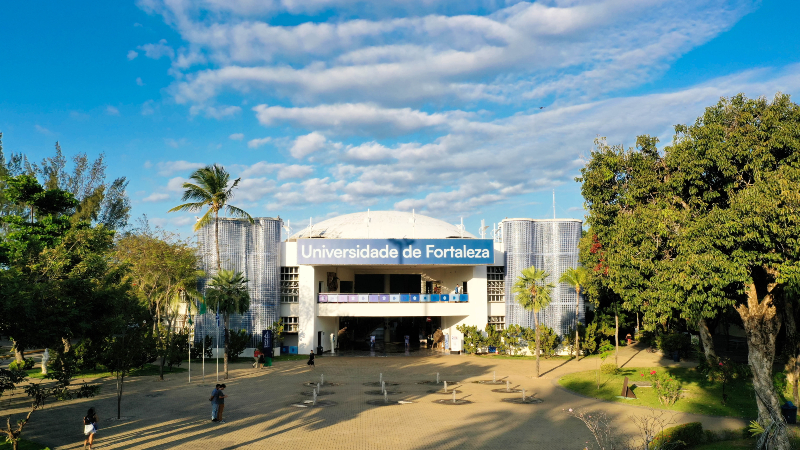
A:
[217,403]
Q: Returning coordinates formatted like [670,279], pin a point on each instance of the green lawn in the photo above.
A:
[23,445]
[525,358]
[698,396]
[102,372]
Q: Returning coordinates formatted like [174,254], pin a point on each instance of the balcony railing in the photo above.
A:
[393,298]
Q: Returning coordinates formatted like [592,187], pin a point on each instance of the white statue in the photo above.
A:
[333,343]
[45,360]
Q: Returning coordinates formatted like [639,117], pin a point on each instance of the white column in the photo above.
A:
[306,336]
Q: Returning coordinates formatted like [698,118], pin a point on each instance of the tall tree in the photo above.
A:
[227,293]
[163,271]
[717,229]
[533,293]
[210,187]
[577,278]
[98,201]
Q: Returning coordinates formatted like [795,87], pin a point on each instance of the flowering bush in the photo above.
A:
[667,388]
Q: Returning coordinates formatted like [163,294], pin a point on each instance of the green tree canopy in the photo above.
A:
[707,223]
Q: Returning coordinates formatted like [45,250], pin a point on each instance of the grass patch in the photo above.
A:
[23,445]
[698,395]
[102,372]
[727,445]
[525,357]
[290,358]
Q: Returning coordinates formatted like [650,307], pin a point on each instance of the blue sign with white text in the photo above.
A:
[395,251]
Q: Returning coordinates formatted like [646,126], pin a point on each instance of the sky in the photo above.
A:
[468,109]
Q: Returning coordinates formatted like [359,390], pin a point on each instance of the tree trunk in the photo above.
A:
[792,364]
[120,380]
[226,339]
[616,339]
[165,349]
[67,344]
[761,325]
[536,321]
[577,322]
[216,240]
[707,340]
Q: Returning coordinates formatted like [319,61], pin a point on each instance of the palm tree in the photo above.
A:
[227,293]
[533,294]
[577,278]
[211,187]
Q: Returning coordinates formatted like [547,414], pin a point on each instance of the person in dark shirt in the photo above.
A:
[311,359]
[214,406]
[89,428]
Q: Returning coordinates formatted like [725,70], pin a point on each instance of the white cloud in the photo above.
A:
[175,143]
[236,136]
[112,111]
[148,108]
[43,130]
[353,117]
[176,184]
[308,144]
[169,167]
[157,50]
[255,143]
[139,81]
[132,54]
[156,197]
[214,112]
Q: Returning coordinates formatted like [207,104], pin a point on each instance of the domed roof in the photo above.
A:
[382,225]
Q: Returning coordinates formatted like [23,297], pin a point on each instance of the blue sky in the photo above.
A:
[475,109]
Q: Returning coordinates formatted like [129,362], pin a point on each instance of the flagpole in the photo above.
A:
[217,358]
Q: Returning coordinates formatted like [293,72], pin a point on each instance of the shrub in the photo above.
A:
[197,348]
[673,342]
[27,364]
[237,342]
[680,437]
[473,339]
[178,348]
[609,369]
[87,354]
[667,388]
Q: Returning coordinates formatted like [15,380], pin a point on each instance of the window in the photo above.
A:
[290,284]
[496,283]
[290,324]
[498,322]
[464,287]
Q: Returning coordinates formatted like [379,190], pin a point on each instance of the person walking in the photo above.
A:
[221,402]
[89,428]
[311,359]
[214,407]
[257,356]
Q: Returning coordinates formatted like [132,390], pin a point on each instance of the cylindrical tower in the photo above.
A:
[254,250]
[550,245]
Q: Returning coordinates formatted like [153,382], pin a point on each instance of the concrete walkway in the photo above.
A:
[175,414]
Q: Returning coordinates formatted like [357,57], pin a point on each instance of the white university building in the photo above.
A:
[365,281]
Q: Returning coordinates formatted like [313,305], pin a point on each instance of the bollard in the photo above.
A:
[383,387]
[315,398]
[445,386]
[437,377]
[523,395]
[385,397]
[322,378]
[380,378]
[454,396]
[507,386]
[494,377]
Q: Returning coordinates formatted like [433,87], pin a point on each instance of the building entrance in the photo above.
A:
[387,334]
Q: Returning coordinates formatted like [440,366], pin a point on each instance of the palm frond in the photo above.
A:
[188,207]
[238,212]
[195,192]
[205,220]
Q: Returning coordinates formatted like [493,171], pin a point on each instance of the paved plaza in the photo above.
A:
[258,411]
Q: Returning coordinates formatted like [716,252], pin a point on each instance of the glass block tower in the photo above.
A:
[254,250]
[550,245]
